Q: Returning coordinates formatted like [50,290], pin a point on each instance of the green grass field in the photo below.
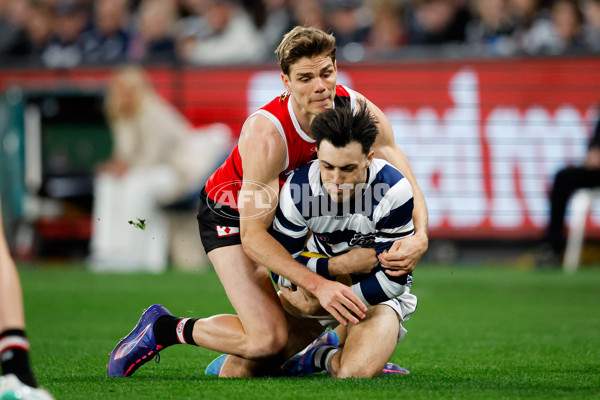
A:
[478,333]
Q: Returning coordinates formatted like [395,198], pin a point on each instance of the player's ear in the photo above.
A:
[286,81]
[370,157]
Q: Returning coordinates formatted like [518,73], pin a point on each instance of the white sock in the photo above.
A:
[323,355]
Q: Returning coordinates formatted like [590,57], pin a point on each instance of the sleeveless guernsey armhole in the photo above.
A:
[279,127]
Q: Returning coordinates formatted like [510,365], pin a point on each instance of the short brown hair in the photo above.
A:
[304,42]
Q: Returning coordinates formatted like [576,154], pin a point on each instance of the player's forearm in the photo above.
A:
[261,247]
[420,216]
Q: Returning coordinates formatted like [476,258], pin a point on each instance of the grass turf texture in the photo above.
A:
[477,334]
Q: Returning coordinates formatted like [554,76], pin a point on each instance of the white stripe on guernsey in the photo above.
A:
[302,134]
[297,254]
[179,330]
[376,165]
[391,289]
[400,230]
[274,120]
[312,264]
[287,206]
[387,240]
[314,178]
[395,197]
[288,232]
[328,224]
[10,342]
[358,292]
[398,233]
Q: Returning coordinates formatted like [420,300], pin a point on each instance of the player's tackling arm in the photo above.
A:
[405,254]
[263,154]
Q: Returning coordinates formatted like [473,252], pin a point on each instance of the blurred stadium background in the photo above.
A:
[488,99]
[485,116]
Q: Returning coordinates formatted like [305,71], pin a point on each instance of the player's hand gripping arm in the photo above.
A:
[404,255]
[264,155]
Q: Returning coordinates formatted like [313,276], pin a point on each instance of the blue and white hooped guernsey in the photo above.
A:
[379,214]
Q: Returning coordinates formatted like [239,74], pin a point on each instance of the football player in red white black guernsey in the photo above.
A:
[242,194]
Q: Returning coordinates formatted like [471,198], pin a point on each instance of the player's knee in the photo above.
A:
[267,345]
[356,371]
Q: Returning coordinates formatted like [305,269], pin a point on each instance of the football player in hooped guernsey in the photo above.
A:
[237,209]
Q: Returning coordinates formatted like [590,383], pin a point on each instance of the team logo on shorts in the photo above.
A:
[223,231]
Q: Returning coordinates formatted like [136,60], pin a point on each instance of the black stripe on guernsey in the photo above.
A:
[302,260]
[292,245]
[341,101]
[402,279]
[399,216]
[286,223]
[297,183]
[275,277]
[387,175]
[380,247]
[372,291]
[394,235]
[323,267]
[321,249]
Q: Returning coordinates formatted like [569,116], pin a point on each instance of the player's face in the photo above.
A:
[342,168]
[311,81]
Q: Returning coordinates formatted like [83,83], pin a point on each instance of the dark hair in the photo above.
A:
[304,42]
[341,126]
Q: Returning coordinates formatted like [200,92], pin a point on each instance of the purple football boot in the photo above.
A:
[139,347]
[393,369]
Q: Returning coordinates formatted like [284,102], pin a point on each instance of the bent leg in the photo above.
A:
[368,345]
[259,329]
[301,332]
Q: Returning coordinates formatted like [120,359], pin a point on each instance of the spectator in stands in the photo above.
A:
[234,38]
[158,158]
[107,40]
[192,27]
[37,24]
[387,33]
[309,13]
[349,27]
[277,22]
[434,22]
[523,14]
[154,41]
[591,29]
[492,28]
[566,182]
[12,32]
[64,49]
[558,32]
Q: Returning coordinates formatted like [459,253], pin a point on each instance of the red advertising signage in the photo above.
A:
[484,138]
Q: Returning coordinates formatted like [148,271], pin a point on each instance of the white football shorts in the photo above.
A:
[404,305]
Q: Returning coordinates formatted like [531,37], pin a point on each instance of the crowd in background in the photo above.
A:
[69,33]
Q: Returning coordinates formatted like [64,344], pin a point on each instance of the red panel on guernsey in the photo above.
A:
[225,183]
